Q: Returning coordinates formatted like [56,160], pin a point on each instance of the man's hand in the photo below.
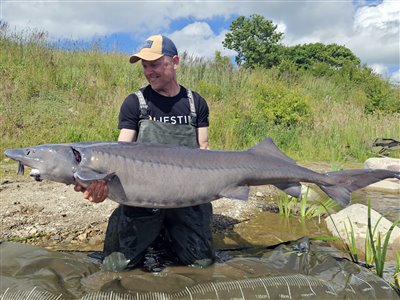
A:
[96,192]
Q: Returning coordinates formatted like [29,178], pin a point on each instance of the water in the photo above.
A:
[267,228]
[386,204]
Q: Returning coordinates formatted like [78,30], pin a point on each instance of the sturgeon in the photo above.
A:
[167,176]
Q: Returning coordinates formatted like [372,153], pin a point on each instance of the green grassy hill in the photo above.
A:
[54,96]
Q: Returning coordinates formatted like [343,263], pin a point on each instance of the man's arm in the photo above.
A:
[127,135]
[202,137]
[97,191]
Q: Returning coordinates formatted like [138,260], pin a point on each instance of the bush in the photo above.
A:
[209,90]
[281,106]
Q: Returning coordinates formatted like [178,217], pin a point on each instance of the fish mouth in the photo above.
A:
[35,173]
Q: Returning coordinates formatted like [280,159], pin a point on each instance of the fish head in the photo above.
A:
[55,162]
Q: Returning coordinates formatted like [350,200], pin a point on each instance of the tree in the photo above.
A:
[336,56]
[256,41]
[222,61]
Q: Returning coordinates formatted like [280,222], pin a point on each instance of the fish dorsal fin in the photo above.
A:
[268,147]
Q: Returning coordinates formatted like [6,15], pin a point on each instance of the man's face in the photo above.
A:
[159,73]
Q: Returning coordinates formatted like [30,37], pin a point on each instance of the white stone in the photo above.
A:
[386,163]
[390,185]
[358,215]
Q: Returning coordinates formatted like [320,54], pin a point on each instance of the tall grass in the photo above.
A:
[49,95]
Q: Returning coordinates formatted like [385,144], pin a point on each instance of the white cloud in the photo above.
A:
[372,33]
[395,77]
[379,69]
[376,33]
[198,39]
[281,27]
[383,17]
[319,21]
[83,20]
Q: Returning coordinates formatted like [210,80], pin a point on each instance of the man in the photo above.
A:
[166,113]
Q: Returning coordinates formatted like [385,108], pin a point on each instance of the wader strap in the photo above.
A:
[144,112]
[193,115]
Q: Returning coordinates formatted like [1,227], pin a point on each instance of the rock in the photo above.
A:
[242,210]
[311,194]
[390,185]
[82,237]
[33,231]
[96,240]
[387,185]
[358,214]
[68,239]
[56,237]
[386,163]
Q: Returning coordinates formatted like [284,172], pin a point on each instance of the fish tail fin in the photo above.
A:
[338,193]
[342,183]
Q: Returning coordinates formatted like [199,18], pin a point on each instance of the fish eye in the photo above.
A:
[27,151]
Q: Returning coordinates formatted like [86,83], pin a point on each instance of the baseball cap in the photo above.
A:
[155,47]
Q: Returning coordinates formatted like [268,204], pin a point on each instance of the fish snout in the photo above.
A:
[16,154]
[11,153]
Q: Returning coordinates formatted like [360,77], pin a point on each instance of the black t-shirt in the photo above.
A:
[174,110]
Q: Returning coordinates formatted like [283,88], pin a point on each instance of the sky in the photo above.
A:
[369,28]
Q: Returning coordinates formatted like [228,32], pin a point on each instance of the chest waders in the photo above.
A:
[187,231]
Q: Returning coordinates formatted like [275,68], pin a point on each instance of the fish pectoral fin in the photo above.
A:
[89,175]
[237,192]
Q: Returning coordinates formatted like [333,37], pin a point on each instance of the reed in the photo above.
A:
[286,204]
[396,274]
[379,248]
[289,206]
[351,245]
[319,208]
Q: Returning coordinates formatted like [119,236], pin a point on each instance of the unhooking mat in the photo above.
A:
[286,272]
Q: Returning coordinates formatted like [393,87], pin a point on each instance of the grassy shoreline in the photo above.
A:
[53,96]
